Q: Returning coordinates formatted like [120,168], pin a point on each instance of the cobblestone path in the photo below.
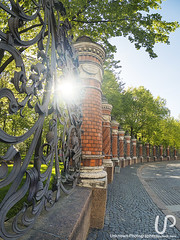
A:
[130,212]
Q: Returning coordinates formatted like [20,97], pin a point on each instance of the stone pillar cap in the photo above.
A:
[121,131]
[127,136]
[114,123]
[107,106]
[86,45]
[84,39]
[134,139]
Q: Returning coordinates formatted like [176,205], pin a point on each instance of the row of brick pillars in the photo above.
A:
[100,155]
[106,134]
[128,149]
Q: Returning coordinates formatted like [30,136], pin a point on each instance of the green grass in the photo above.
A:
[18,206]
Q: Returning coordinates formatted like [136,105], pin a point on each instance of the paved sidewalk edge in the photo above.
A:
[155,198]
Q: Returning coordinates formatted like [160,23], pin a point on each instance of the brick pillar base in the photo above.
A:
[147,153]
[161,153]
[141,159]
[121,148]
[154,153]
[107,162]
[168,155]
[128,146]
[96,178]
[114,126]
[134,151]
[175,154]
[92,174]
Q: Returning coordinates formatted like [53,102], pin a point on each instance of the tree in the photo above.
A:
[112,90]
[170,132]
[142,112]
[102,20]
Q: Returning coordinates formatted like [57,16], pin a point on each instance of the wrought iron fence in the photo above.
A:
[51,161]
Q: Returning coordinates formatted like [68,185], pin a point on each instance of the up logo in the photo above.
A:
[165,224]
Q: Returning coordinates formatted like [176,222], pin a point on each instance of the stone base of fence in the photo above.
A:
[115,161]
[154,158]
[109,168]
[99,198]
[128,161]
[124,163]
[121,160]
[134,160]
[70,218]
[96,179]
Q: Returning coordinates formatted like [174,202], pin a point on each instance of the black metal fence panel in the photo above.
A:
[51,143]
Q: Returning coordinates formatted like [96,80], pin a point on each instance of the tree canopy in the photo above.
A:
[102,20]
[136,109]
[139,112]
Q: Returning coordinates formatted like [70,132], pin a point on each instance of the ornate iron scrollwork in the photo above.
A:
[55,134]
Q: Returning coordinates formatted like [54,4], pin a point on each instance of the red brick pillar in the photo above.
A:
[107,163]
[92,174]
[121,148]
[154,153]
[161,153]
[147,152]
[168,153]
[114,127]
[128,149]
[134,141]
[175,154]
[140,152]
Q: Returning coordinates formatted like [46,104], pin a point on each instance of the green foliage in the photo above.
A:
[141,114]
[142,111]
[17,207]
[102,20]
[112,89]
[136,109]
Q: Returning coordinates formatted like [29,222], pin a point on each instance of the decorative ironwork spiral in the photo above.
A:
[52,160]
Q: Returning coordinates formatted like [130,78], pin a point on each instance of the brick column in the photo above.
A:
[134,150]
[168,153]
[114,127]
[175,154]
[121,148]
[154,153]
[107,163]
[161,153]
[92,174]
[128,149]
[140,152]
[147,152]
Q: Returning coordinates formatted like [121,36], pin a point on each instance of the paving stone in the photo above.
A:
[130,210]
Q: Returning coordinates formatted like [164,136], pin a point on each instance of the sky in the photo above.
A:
[160,75]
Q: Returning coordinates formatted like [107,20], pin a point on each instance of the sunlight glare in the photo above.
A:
[67,90]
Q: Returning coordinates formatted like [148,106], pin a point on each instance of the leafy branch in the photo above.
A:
[105,21]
